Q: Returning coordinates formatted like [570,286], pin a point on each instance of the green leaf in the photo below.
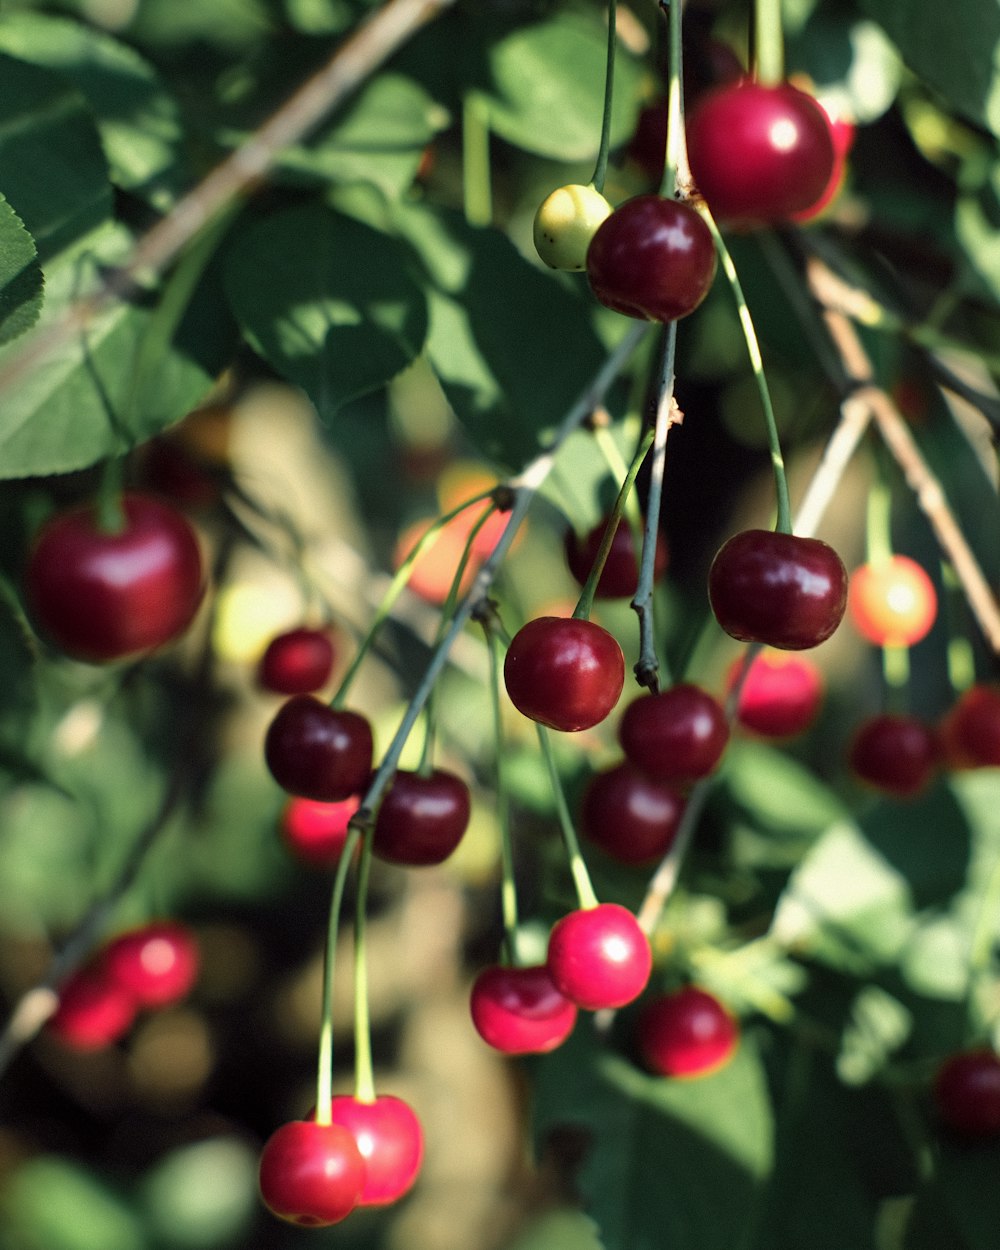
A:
[22,287]
[547,94]
[855,70]
[137,120]
[953,47]
[203,1195]
[327,301]
[52,166]
[977,220]
[55,1203]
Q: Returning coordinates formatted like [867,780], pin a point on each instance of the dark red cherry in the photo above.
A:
[391,1141]
[966,1093]
[676,735]
[620,576]
[629,816]
[94,1010]
[970,731]
[895,753]
[156,963]
[778,589]
[421,819]
[759,153]
[780,696]
[563,672]
[687,1033]
[103,595]
[316,832]
[599,957]
[653,258]
[298,661]
[318,752]
[311,1174]
[519,1011]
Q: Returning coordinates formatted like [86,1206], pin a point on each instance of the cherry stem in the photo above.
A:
[768,44]
[508,887]
[585,894]
[364,1080]
[783,523]
[961,659]
[477,189]
[110,513]
[601,167]
[676,171]
[878,551]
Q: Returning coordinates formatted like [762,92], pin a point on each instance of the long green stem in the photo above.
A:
[676,176]
[364,1080]
[585,894]
[601,168]
[324,1067]
[508,887]
[768,45]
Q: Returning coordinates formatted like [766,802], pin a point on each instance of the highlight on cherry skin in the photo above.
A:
[390,1139]
[780,696]
[563,672]
[892,602]
[421,819]
[156,963]
[687,1033]
[631,817]
[519,1010]
[318,752]
[677,735]
[599,956]
[316,832]
[311,1174]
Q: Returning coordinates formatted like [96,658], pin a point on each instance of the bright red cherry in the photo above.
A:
[779,589]
[780,696]
[620,576]
[391,1142]
[676,735]
[842,132]
[316,832]
[759,153]
[318,752]
[157,964]
[102,595]
[895,753]
[298,661]
[94,1011]
[687,1033]
[421,819]
[519,1011]
[629,816]
[563,672]
[970,732]
[653,258]
[966,1093]
[599,957]
[311,1174]
[892,602]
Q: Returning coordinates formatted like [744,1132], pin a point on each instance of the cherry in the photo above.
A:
[93,1010]
[311,1174]
[157,964]
[678,734]
[563,672]
[759,153]
[316,832]
[421,819]
[687,1033]
[391,1142]
[970,731]
[842,132]
[102,595]
[966,1093]
[630,817]
[780,695]
[599,957]
[895,753]
[620,576]
[653,258]
[519,1010]
[565,223]
[892,602]
[318,752]
[779,589]
[298,661]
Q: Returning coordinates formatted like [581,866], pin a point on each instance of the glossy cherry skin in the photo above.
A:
[157,964]
[421,820]
[94,1011]
[653,258]
[318,752]
[759,153]
[391,1141]
[564,673]
[311,1174]
[316,832]
[630,817]
[519,1011]
[103,596]
[966,1093]
[779,589]
[620,576]
[599,957]
[892,602]
[780,696]
[895,754]
[677,735]
[298,661]
[687,1033]
[970,731]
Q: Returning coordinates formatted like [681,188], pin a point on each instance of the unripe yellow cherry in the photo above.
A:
[565,223]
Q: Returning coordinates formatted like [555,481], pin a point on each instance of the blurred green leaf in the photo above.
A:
[854,68]
[21,282]
[202,1196]
[55,1204]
